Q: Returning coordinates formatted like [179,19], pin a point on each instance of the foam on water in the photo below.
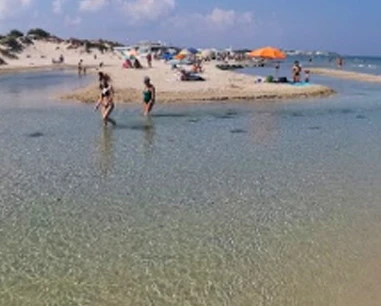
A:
[265,204]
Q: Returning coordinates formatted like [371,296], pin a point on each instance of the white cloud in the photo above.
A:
[92,5]
[9,8]
[147,10]
[57,6]
[69,21]
[217,20]
[228,18]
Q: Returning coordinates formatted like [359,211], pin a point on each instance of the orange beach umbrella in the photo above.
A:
[269,53]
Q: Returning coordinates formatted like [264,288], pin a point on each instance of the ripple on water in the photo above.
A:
[186,214]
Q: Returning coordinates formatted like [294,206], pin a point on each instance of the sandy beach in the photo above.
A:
[219,85]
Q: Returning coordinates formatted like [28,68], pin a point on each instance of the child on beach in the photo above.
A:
[149,96]
[106,100]
[307,77]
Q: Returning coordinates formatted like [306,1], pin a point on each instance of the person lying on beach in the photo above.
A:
[106,100]
[188,76]
[149,96]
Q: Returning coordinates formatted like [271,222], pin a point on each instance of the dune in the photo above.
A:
[40,54]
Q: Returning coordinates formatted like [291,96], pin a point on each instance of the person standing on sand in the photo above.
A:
[149,60]
[277,67]
[106,100]
[296,71]
[149,96]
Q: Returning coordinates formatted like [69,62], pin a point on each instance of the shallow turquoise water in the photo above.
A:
[230,204]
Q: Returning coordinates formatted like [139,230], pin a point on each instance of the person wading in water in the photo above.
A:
[149,96]
[106,100]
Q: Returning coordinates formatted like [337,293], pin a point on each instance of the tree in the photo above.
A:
[15,33]
[38,33]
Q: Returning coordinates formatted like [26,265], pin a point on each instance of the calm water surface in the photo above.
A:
[231,204]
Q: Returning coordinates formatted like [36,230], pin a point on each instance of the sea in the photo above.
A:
[238,203]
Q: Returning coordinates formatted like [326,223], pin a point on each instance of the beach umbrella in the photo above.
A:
[207,53]
[192,50]
[184,52]
[180,56]
[268,53]
[167,56]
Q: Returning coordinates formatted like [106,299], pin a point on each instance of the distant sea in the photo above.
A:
[363,64]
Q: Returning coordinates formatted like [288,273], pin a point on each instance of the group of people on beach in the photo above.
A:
[106,97]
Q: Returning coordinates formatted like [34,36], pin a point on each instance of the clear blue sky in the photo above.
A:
[345,26]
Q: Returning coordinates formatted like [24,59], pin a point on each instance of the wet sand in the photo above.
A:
[347,75]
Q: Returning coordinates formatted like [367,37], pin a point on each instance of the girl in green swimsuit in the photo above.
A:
[148,96]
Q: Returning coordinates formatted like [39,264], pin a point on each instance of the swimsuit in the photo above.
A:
[147,96]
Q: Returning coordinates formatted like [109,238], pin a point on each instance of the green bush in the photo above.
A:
[8,54]
[38,33]
[12,44]
[26,40]
[15,34]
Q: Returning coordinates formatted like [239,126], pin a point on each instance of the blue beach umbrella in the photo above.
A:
[167,56]
[192,50]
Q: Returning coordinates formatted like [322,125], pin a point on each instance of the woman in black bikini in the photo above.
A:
[106,100]
[296,70]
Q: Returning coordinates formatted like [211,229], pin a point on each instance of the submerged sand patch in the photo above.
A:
[348,75]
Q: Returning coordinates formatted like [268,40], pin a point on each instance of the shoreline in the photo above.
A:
[42,68]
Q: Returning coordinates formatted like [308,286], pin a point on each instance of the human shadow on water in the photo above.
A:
[106,151]
[148,129]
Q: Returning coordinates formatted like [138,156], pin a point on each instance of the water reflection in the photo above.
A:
[149,135]
[106,151]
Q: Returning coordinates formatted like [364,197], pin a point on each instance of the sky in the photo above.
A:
[345,26]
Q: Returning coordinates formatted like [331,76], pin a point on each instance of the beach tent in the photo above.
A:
[268,53]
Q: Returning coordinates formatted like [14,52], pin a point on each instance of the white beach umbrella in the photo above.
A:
[207,53]
[184,52]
